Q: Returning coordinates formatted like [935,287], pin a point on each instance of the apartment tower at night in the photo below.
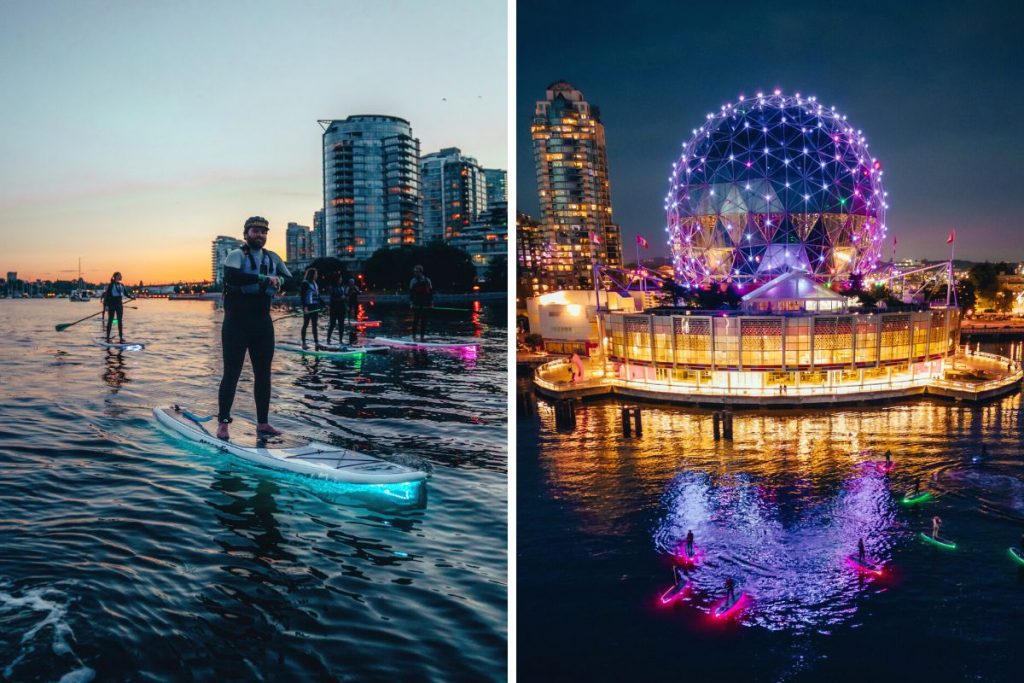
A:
[575,194]
[454,193]
[371,186]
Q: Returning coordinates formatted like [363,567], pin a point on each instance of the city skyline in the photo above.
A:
[934,108]
[135,135]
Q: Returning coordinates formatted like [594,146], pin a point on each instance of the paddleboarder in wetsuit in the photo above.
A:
[730,591]
[689,542]
[352,296]
[339,302]
[860,549]
[421,297]
[936,526]
[113,303]
[310,297]
[252,275]
[888,458]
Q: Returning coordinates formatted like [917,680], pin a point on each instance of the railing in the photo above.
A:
[541,378]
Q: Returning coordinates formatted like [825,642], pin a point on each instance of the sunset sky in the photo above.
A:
[135,133]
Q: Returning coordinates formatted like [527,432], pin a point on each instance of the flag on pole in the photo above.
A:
[642,242]
[595,238]
[952,236]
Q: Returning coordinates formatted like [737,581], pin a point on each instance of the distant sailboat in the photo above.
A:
[80,293]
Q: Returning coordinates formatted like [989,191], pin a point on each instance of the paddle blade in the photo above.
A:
[62,327]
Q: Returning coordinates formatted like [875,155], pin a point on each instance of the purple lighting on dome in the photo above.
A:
[830,215]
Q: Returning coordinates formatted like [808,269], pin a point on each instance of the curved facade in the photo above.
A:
[371,186]
[772,183]
[755,351]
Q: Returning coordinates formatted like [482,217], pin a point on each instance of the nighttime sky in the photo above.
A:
[133,133]
[937,88]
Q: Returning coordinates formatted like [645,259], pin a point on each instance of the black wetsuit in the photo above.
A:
[337,312]
[352,294]
[421,296]
[248,328]
[311,305]
[113,302]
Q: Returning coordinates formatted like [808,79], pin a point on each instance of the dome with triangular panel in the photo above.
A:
[772,183]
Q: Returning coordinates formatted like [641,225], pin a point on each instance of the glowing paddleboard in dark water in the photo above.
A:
[287,453]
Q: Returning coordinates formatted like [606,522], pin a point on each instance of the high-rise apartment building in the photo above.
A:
[319,235]
[221,246]
[575,194]
[298,244]
[531,245]
[485,239]
[497,186]
[371,186]
[454,193]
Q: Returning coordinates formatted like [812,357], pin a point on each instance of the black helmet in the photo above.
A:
[256,222]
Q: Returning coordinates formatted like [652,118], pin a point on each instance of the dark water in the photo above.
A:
[778,509]
[130,555]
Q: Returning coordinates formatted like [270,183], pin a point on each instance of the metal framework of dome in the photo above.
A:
[774,183]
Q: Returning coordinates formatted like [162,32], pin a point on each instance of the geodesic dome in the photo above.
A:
[772,183]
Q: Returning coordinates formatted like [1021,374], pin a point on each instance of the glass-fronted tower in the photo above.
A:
[497,186]
[219,251]
[454,193]
[298,243]
[371,186]
[575,194]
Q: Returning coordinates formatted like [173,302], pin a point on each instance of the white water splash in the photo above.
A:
[36,600]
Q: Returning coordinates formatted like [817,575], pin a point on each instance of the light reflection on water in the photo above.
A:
[778,508]
[158,559]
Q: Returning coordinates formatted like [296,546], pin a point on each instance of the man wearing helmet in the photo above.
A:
[252,275]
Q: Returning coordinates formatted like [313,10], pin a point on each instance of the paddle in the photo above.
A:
[445,308]
[296,315]
[63,326]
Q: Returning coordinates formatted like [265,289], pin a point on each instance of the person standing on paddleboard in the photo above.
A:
[113,303]
[421,297]
[252,275]
[860,549]
[730,591]
[339,302]
[310,295]
[936,526]
[352,298]
[689,542]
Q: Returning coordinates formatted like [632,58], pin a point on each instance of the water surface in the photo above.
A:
[779,509]
[131,555]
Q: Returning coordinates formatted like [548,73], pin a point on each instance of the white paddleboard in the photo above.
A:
[330,350]
[124,346]
[303,457]
[413,344]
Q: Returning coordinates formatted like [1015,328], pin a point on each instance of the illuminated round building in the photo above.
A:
[777,197]
[771,183]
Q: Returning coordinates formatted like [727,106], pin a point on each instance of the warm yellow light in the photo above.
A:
[553,298]
[574,310]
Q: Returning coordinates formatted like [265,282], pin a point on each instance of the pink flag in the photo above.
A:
[642,242]
[952,236]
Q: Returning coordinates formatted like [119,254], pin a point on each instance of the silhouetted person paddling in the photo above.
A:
[113,303]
